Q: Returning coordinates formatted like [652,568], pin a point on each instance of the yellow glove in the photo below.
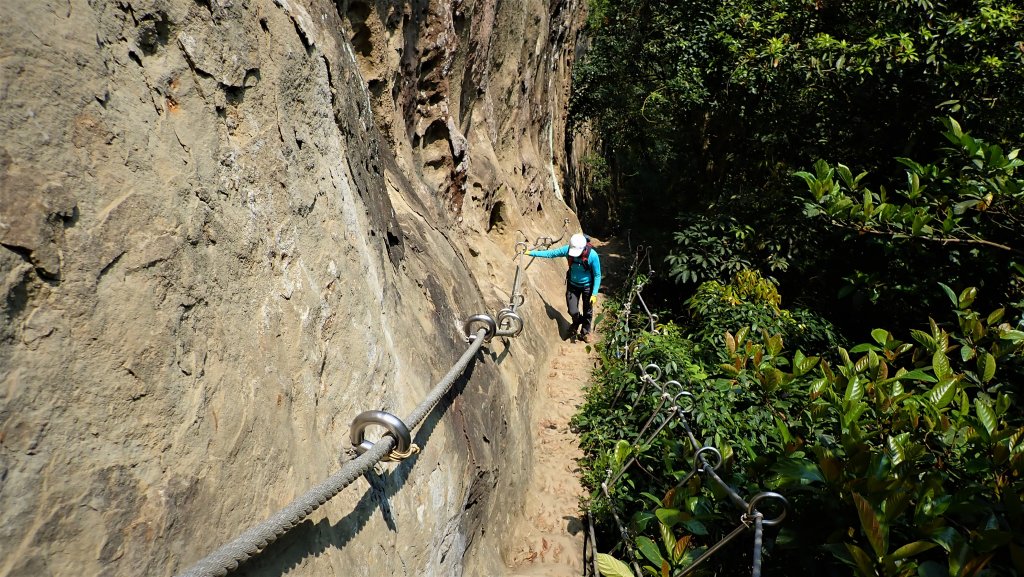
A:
[593,299]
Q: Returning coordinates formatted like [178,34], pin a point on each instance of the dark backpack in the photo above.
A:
[583,259]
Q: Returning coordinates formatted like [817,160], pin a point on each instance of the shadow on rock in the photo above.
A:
[500,357]
[557,316]
[308,539]
[573,524]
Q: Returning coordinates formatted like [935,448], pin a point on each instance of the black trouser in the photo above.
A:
[574,295]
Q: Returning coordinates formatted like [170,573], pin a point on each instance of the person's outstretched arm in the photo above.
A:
[595,270]
[562,251]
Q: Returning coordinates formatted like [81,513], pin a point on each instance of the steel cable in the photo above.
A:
[622,529]
[252,541]
[758,536]
[751,518]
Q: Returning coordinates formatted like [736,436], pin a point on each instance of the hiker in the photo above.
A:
[582,281]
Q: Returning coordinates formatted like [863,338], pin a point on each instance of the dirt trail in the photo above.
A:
[550,527]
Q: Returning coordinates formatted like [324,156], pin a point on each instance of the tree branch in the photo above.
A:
[940,240]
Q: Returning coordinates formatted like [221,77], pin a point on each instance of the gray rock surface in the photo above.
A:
[229,226]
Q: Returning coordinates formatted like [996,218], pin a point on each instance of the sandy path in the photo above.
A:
[550,528]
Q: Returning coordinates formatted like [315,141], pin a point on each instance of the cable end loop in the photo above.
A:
[489,324]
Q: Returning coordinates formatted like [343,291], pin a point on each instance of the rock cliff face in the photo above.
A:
[228,227]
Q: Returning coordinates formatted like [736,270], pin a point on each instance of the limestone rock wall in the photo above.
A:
[229,226]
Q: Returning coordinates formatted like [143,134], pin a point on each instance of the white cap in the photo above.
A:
[576,244]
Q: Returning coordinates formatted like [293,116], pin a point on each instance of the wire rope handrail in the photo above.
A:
[393,446]
[252,541]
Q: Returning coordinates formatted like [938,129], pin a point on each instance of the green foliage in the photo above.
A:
[916,446]
[753,301]
[695,98]
[974,196]
[900,457]
[597,13]
[956,221]
[709,247]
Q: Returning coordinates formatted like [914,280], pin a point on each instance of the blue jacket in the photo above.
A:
[578,274]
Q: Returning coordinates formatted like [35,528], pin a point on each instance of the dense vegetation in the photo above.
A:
[899,456]
[861,159]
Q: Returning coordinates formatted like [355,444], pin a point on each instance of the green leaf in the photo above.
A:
[773,377]
[808,178]
[954,127]
[783,430]
[797,470]
[940,364]
[649,550]
[874,530]
[915,375]
[729,369]
[995,316]
[987,416]
[1014,336]
[861,560]
[910,549]
[854,390]
[881,336]
[898,448]
[942,394]
[611,567]
[845,174]
[863,348]
[666,536]
[932,569]
[669,517]
[741,336]
[949,293]
[924,338]
[986,367]
[806,365]
[622,451]
[967,297]
[918,223]
[937,334]
[695,527]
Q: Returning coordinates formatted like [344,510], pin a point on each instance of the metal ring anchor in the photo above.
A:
[517,300]
[697,458]
[671,383]
[689,408]
[396,428]
[769,495]
[467,327]
[657,371]
[515,323]
[521,247]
